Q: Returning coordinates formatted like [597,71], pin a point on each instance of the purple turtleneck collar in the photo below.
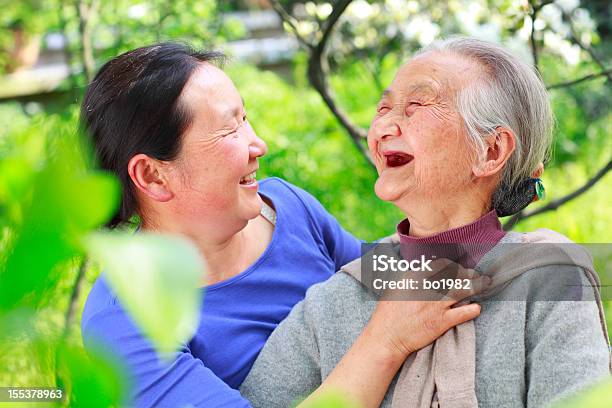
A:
[469,243]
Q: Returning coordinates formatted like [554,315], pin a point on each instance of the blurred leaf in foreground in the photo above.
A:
[599,396]
[329,399]
[90,380]
[156,277]
[64,201]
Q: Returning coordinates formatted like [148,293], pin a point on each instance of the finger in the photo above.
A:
[443,269]
[466,273]
[533,237]
[469,287]
[544,235]
[461,314]
[440,265]
[453,270]
[454,283]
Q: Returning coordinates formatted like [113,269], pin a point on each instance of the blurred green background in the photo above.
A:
[50,49]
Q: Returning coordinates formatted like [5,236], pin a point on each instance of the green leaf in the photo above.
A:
[65,202]
[599,396]
[157,279]
[15,178]
[100,204]
[90,379]
[329,399]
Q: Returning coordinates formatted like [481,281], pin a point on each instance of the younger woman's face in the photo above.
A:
[213,177]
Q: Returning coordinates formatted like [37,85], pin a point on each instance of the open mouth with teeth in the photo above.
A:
[397,159]
[248,179]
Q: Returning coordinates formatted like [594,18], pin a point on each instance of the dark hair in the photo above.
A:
[132,106]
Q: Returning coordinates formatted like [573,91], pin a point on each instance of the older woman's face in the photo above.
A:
[416,137]
[213,175]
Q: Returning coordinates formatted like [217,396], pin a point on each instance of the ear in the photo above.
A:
[147,176]
[537,173]
[499,147]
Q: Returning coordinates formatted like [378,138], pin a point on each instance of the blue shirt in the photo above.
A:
[237,315]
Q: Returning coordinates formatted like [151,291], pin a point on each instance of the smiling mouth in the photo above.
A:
[249,179]
[397,159]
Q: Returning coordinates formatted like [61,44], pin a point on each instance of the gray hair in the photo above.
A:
[512,95]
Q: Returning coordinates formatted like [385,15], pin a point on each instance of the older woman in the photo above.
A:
[458,138]
[173,128]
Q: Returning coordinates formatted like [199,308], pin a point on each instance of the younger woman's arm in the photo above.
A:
[183,381]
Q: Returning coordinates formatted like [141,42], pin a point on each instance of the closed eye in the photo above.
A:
[412,106]
[383,109]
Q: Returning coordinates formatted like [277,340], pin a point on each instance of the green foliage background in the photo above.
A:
[307,147]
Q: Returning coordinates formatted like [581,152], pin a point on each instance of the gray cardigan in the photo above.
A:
[528,354]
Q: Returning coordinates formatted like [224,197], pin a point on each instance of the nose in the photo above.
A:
[257,147]
[383,129]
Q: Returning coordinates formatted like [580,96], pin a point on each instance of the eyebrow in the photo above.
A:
[229,114]
[419,86]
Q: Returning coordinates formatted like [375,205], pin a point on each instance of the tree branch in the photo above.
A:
[74,295]
[70,312]
[85,14]
[532,39]
[318,71]
[63,23]
[589,77]
[374,71]
[331,21]
[287,18]
[535,8]
[605,169]
[553,205]
[576,40]
[544,3]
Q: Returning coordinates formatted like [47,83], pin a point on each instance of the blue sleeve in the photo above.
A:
[185,381]
[341,246]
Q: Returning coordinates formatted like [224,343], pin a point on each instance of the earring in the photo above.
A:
[540,191]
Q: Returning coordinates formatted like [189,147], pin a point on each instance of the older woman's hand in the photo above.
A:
[396,329]
[545,236]
[403,325]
